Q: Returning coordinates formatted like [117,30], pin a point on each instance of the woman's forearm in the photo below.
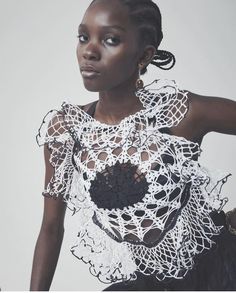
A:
[46,255]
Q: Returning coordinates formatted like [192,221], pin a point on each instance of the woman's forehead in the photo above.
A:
[107,12]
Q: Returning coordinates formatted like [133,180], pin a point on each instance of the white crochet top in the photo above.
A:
[143,201]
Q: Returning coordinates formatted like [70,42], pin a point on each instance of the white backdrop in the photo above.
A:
[38,70]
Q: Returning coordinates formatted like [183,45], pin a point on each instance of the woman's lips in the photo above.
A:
[89,71]
[89,74]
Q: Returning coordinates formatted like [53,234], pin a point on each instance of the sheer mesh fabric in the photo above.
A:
[142,200]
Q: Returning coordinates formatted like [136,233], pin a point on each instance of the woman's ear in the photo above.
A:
[149,52]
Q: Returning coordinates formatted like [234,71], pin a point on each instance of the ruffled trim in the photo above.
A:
[108,260]
[192,234]
[53,128]
[71,134]
[165,98]
[173,256]
[55,135]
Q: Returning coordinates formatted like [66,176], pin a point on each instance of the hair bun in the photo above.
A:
[163,59]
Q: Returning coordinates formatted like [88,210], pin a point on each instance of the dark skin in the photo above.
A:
[110,48]
[116,54]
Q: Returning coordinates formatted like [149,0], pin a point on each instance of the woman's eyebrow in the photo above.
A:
[106,27]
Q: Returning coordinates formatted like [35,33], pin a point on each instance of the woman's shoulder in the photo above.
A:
[52,127]
[206,114]
[193,125]
[66,112]
[57,123]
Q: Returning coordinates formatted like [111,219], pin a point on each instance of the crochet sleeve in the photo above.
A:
[55,135]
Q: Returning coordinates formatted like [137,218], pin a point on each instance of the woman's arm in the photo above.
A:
[214,114]
[219,115]
[48,245]
[50,238]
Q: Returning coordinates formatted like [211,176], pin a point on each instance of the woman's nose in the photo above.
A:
[91,52]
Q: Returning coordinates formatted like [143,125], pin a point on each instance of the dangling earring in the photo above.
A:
[139,82]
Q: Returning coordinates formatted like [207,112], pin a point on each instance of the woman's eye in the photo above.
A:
[82,38]
[112,41]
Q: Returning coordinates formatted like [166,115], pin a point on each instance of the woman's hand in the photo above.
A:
[231,221]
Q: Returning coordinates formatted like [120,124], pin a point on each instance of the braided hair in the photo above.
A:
[146,16]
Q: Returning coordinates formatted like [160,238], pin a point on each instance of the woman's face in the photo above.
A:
[108,44]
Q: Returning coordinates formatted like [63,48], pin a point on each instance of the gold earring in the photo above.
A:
[139,82]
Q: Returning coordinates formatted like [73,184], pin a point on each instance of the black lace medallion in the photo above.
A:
[118,186]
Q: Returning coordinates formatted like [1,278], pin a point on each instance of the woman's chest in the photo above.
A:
[133,177]
[147,150]
[120,172]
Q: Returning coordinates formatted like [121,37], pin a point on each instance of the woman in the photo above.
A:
[150,216]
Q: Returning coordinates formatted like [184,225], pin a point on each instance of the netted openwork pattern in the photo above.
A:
[142,200]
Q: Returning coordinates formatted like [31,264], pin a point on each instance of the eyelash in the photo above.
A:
[117,40]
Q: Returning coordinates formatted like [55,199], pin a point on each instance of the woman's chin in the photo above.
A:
[91,87]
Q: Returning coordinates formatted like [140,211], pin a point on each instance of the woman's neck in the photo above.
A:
[116,104]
